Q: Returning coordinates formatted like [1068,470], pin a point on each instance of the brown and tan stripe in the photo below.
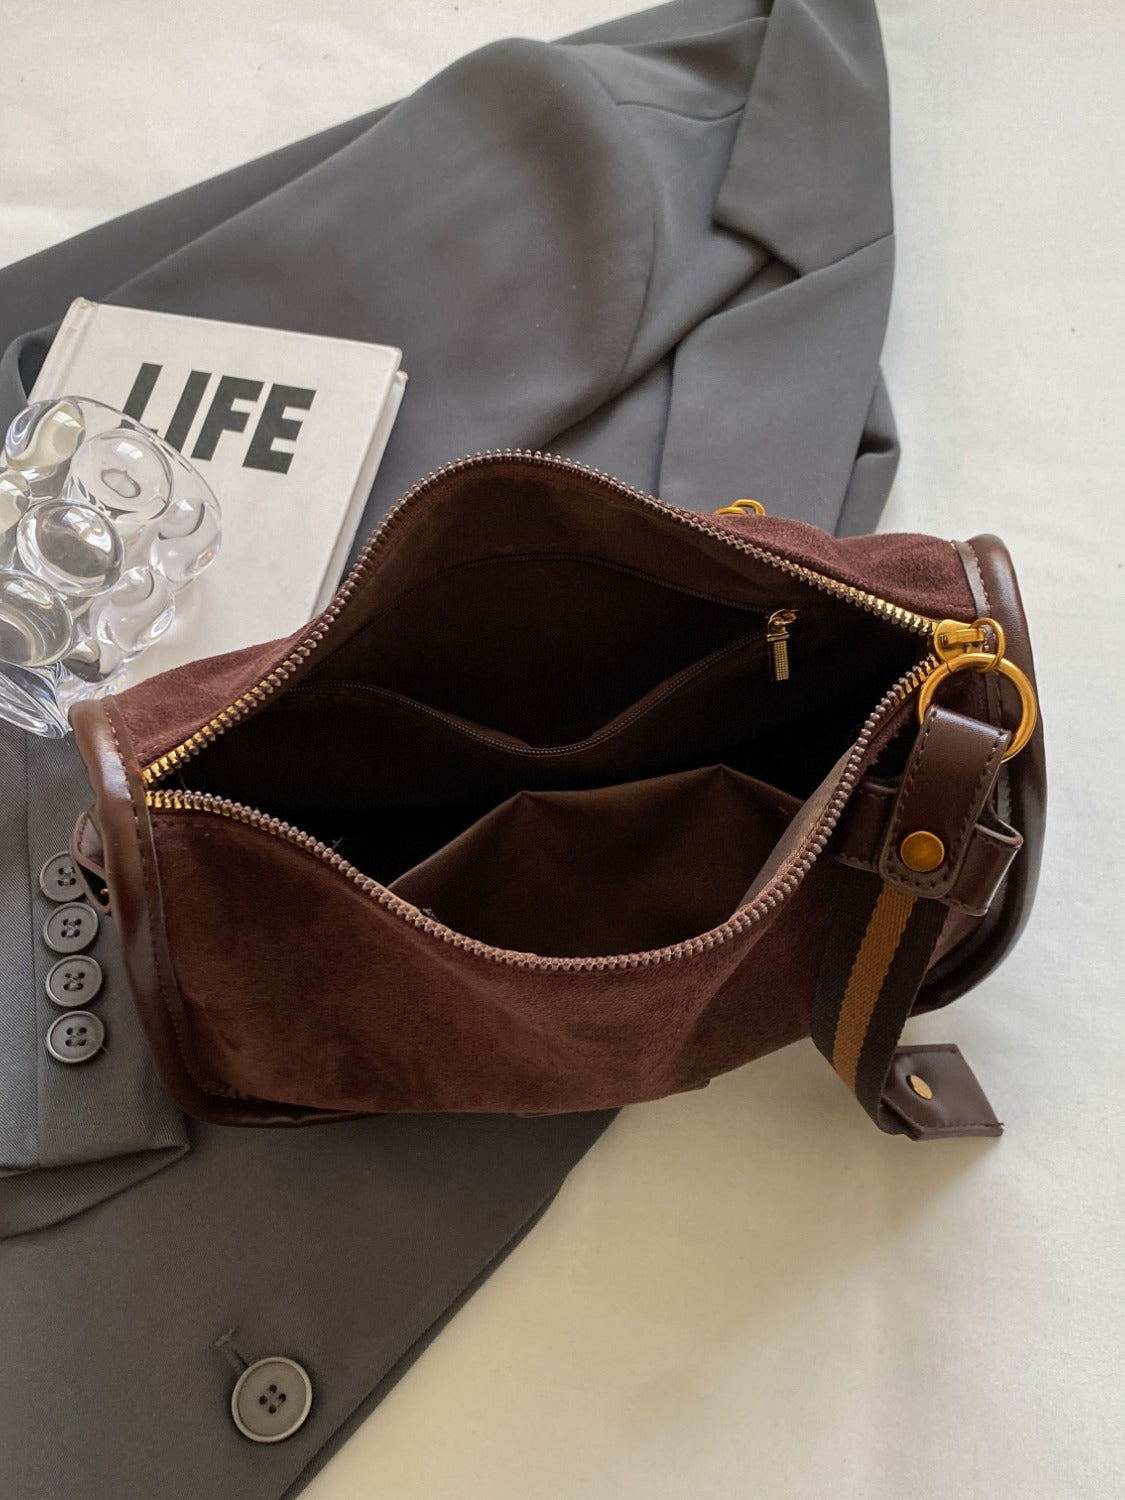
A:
[872,963]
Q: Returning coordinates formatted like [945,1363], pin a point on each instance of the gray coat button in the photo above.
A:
[75,1037]
[58,880]
[74,981]
[271,1399]
[70,928]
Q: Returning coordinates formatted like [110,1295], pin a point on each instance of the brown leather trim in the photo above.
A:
[990,847]
[946,785]
[89,862]
[1022,789]
[119,822]
[957,1106]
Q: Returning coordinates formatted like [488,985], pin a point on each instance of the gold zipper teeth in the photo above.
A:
[173,800]
[209,732]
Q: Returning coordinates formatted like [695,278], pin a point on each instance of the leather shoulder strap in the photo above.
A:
[889,916]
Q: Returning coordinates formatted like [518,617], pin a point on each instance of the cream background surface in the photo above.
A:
[749,1292]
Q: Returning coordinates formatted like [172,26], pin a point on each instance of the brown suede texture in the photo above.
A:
[546,871]
[168,708]
[308,990]
[572,830]
[910,570]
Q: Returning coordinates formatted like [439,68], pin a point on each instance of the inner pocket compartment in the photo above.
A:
[619,869]
[546,648]
[441,701]
[332,754]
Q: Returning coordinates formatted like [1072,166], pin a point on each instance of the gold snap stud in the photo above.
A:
[921,851]
[920,1086]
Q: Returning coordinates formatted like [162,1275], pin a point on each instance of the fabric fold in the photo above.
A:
[770,397]
[809,175]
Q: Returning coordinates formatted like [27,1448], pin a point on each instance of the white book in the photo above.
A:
[288,429]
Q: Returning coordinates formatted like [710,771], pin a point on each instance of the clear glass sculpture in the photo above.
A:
[102,524]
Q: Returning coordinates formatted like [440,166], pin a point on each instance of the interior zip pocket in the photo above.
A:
[545,648]
[749,646]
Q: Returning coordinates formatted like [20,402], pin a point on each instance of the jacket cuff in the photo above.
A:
[71,1134]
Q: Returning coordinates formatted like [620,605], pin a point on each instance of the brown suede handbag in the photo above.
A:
[571,798]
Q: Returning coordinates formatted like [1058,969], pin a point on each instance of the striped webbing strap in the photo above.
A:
[872,968]
[889,911]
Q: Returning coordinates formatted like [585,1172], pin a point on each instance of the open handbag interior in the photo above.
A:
[555,726]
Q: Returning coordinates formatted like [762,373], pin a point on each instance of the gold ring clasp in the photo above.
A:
[987,661]
[740,508]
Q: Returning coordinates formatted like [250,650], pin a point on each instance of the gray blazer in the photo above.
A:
[670,257]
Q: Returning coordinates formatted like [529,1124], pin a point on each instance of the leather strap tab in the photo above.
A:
[956,1104]
[989,850]
[947,782]
[88,853]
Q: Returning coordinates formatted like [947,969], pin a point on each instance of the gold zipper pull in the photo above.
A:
[952,638]
[777,634]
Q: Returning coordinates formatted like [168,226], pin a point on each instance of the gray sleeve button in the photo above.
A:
[70,928]
[75,981]
[58,880]
[271,1399]
[76,1037]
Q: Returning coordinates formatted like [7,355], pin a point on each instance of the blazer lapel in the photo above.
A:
[809,175]
[777,394]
